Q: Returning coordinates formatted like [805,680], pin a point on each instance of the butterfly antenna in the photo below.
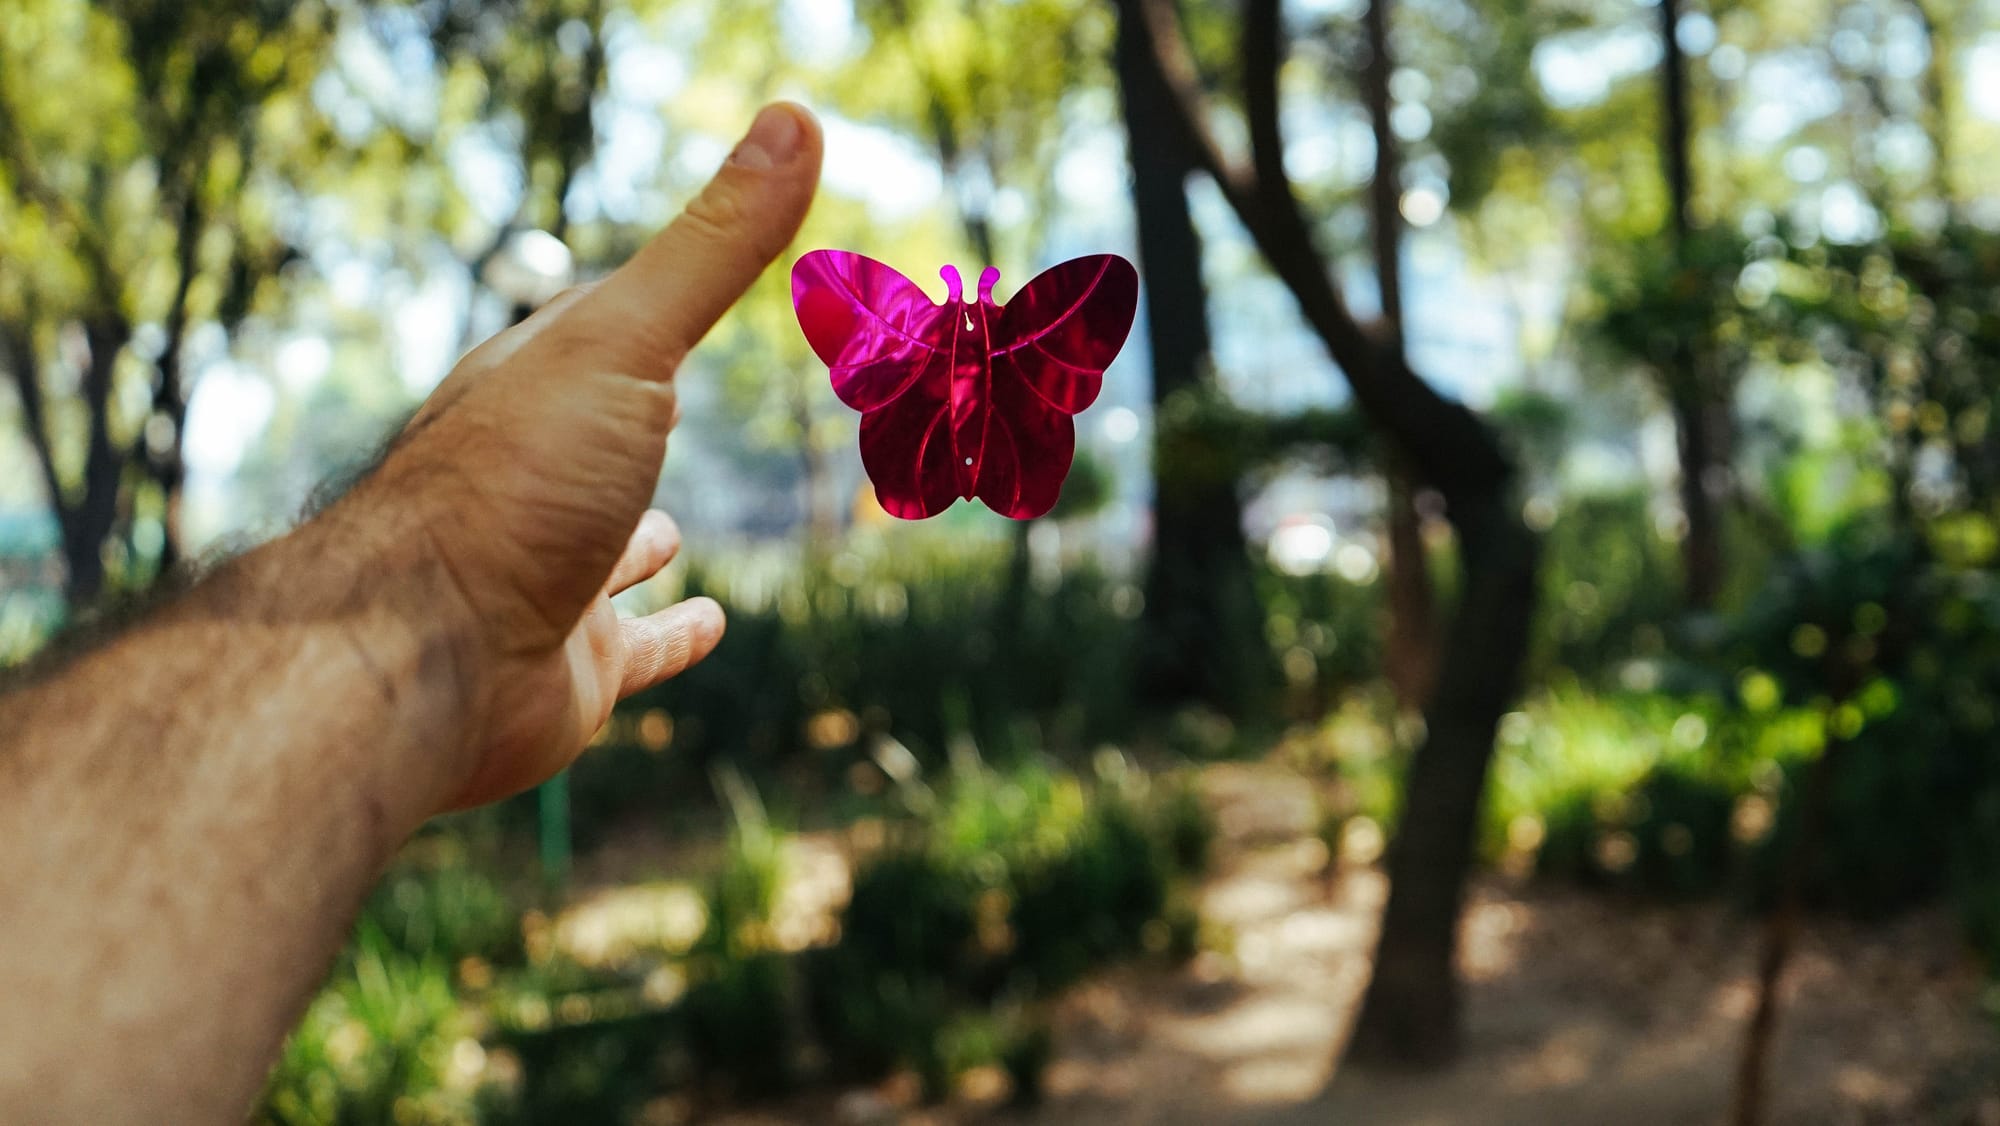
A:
[953,283]
[988,278]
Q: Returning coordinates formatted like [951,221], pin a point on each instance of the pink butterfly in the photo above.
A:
[965,399]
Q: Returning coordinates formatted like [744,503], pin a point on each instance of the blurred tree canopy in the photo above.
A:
[143,199]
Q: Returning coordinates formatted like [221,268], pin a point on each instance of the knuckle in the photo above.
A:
[650,402]
[664,404]
[571,293]
[724,215]
[718,214]
[674,646]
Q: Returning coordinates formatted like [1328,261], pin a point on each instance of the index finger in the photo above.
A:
[649,312]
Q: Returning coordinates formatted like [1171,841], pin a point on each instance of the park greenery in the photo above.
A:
[1683,586]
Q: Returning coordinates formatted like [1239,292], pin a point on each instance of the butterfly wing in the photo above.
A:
[889,351]
[874,329]
[1049,347]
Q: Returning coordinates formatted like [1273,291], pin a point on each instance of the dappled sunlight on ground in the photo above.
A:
[611,925]
[1580,1009]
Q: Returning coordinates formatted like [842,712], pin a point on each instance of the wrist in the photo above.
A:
[375,616]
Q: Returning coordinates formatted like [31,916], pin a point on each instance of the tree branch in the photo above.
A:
[188,226]
[1160,26]
[35,188]
[1384,192]
[1446,443]
[1263,55]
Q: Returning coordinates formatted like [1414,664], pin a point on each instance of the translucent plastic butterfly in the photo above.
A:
[968,398]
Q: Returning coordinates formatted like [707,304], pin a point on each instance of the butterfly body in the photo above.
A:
[967,399]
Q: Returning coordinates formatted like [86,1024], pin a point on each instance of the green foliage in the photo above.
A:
[1864,648]
[1655,299]
[1026,1048]
[1972,871]
[993,890]
[1608,580]
[1088,488]
[1326,634]
[1022,881]
[743,894]
[149,154]
[381,1045]
[826,659]
[907,643]
[737,1016]
[1186,826]
[444,911]
[598,1070]
[1906,323]
[1089,902]
[737,1022]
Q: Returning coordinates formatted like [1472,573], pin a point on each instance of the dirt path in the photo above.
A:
[1580,1009]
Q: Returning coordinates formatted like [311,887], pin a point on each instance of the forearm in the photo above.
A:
[192,815]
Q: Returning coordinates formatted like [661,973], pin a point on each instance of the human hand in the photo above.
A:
[524,479]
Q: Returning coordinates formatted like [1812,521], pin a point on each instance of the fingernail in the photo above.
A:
[773,139]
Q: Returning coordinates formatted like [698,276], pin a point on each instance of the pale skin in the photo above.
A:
[192,813]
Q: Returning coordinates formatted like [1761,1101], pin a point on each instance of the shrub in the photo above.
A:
[1089,902]
[923,640]
[736,1022]
[593,1070]
[444,911]
[1187,828]
[882,995]
[1016,884]
[996,888]
[380,1045]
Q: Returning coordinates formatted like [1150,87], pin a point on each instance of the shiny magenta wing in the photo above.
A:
[965,399]
[872,327]
[889,349]
[1049,349]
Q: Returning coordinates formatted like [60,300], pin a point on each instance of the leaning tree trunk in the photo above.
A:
[1202,636]
[1410,1013]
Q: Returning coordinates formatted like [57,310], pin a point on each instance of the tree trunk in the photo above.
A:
[1410,654]
[89,515]
[1701,427]
[1202,633]
[1939,37]
[166,462]
[1411,651]
[1409,1014]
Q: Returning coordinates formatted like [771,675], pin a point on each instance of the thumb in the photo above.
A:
[647,314]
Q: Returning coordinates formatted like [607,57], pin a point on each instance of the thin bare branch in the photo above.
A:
[1263,56]
[1446,442]
[1161,25]
[1385,189]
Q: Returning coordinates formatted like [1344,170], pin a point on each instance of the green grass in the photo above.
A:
[992,889]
